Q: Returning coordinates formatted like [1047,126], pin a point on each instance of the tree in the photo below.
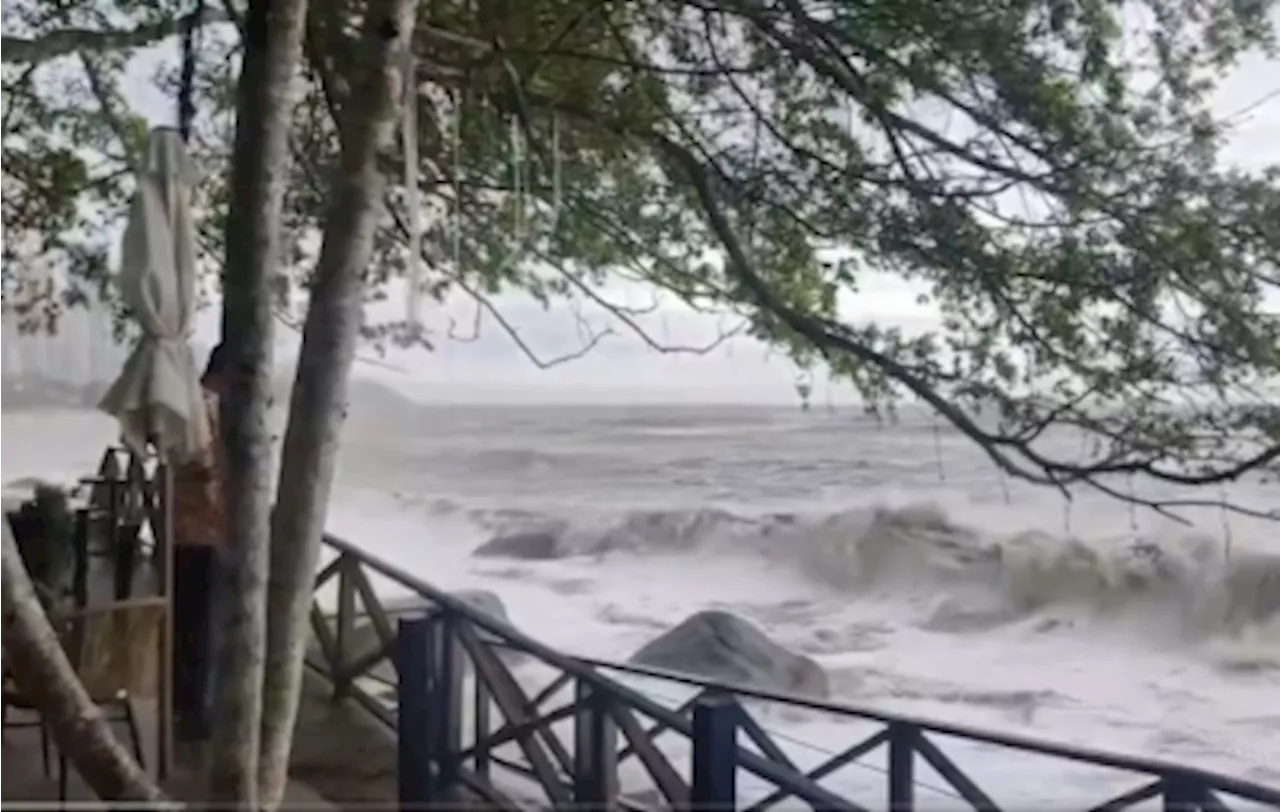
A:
[317,405]
[272,33]
[1099,269]
[1072,220]
[1050,172]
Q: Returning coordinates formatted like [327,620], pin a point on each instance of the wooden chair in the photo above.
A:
[13,698]
[116,649]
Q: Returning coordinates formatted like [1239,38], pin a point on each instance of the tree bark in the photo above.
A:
[273,31]
[40,669]
[318,405]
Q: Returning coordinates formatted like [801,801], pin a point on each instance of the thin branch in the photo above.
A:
[106,97]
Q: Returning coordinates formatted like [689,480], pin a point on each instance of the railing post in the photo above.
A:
[902,763]
[715,753]
[595,751]
[483,727]
[445,719]
[80,562]
[413,756]
[344,634]
[1181,793]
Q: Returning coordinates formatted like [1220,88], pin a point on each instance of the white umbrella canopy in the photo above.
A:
[157,397]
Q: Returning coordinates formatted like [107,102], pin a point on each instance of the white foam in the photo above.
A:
[1103,688]
[1080,679]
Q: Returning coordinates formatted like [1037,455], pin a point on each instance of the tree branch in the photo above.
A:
[67,41]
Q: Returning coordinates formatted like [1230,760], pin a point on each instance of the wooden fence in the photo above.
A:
[458,687]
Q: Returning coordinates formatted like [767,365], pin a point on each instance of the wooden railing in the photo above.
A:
[557,731]
[560,731]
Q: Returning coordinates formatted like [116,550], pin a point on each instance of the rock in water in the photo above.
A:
[364,637]
[719,645]
[482,600]
[534,545]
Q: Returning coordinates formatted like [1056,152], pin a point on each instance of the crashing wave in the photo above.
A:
[1185,582]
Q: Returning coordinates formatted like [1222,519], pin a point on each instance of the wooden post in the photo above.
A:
[164,546]
[1181,793]
[482,724]
[446,705]
[413,750]
[902,755]
[595,751]
[344,634]
[715,753]
[80,574]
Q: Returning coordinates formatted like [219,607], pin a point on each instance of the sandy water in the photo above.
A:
[920,579]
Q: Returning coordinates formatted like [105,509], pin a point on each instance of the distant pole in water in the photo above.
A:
[804,389]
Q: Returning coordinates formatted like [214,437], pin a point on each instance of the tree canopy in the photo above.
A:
[1049,170]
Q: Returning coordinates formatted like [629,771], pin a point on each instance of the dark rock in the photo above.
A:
[364,637]
[482,600]
[721,646]
[536,545]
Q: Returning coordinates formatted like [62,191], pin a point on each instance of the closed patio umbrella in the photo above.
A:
[157,398]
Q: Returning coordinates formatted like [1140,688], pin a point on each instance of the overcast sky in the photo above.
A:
[622,368]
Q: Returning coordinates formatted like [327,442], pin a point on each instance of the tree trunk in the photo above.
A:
[319,401]
[273,31]
[40,669]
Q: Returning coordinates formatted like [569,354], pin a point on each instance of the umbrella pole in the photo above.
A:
[164,743]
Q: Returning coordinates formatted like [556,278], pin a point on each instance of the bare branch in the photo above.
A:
[513,332]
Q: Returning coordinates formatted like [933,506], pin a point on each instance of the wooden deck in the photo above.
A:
[343,758]
[342,755]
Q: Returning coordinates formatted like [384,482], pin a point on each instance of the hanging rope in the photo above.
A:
[413,195]
[4,268]
[1226,522]
[519,170]
[937,450]
[455,138]
[557,169]
[520,174]
[1133,509]
[750,214]
[1067,500]
[187,76]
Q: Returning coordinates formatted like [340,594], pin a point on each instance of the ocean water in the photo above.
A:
[897,557]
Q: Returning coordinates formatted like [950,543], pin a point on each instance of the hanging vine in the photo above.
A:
[1227,537]
[1133,509]
[937,450]
[520,178]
